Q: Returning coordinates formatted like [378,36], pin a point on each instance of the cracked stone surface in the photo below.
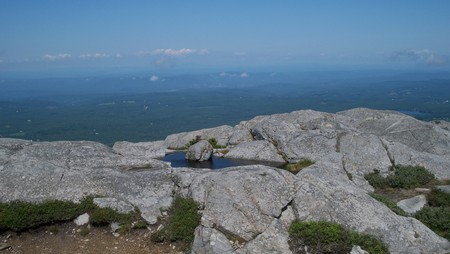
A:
[251,206]
[66,170]
[260,150]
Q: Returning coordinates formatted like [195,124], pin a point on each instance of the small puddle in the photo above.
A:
[177,160]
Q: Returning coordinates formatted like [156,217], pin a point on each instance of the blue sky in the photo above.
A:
[104,36]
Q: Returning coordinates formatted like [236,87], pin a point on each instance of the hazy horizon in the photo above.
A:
[94,38]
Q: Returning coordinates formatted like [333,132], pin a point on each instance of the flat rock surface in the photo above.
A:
[412,205]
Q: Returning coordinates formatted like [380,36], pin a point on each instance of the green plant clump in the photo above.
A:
[438,198]
[181,223]
[214,144]
[329,237]
[405,177]
[437,219]
[19,216]
[296,167]
[389,203]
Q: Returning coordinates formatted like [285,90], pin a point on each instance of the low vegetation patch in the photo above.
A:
[19,216]
[214,144]
[296,167]
[389,203]
[183,218]
[437,219]
[329,237]
[405,177]
[438,198]
[437,212]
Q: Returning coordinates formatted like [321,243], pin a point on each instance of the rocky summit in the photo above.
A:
[248,209]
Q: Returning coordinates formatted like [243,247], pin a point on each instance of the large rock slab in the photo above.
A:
[221,134]
[394,126]
[362,153]
[155,149]
[332,199]
[260,150]
[243,202]
[38,171]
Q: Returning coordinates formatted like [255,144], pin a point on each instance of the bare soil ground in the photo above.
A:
[64,239]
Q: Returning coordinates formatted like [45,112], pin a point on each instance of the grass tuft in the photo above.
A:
[329,237]
[389,203]
[182,220]
[405,177]
[20,216]
[296,167]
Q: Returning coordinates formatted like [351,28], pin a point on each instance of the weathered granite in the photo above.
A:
[65,170]
[200,151]
[115,204]
[412,205]
[221,134]
[260,150]
[156,149]
[331,199]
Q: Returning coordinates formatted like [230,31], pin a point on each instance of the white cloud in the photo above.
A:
[154,78]
[57,57]
[177,52]
[94,56]
[243,75]
[424,56]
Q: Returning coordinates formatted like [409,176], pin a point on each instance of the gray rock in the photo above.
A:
[444,188]
[114,227]
[221,134]
[412,205]
[362,153]
[394,126]
[403,155]
[66,170]
[82,219]
[209,240]
[241,201]
[240,134]
[201,151]
[260,150]
[156,149]
[357,250]
[115,204]
[331,199]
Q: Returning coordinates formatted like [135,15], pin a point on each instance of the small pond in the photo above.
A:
[177,160]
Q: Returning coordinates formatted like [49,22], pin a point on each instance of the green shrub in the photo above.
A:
[406,177]
[437,219]
[296,167]
[389,203]
[105,216]
[214,144]
[376,180]
[368,243]
[181,223]
[438,198]
[328,237]
[18,216]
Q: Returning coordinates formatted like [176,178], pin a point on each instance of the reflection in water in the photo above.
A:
[177,160]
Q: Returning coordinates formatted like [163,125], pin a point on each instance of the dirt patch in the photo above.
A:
[64,238]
